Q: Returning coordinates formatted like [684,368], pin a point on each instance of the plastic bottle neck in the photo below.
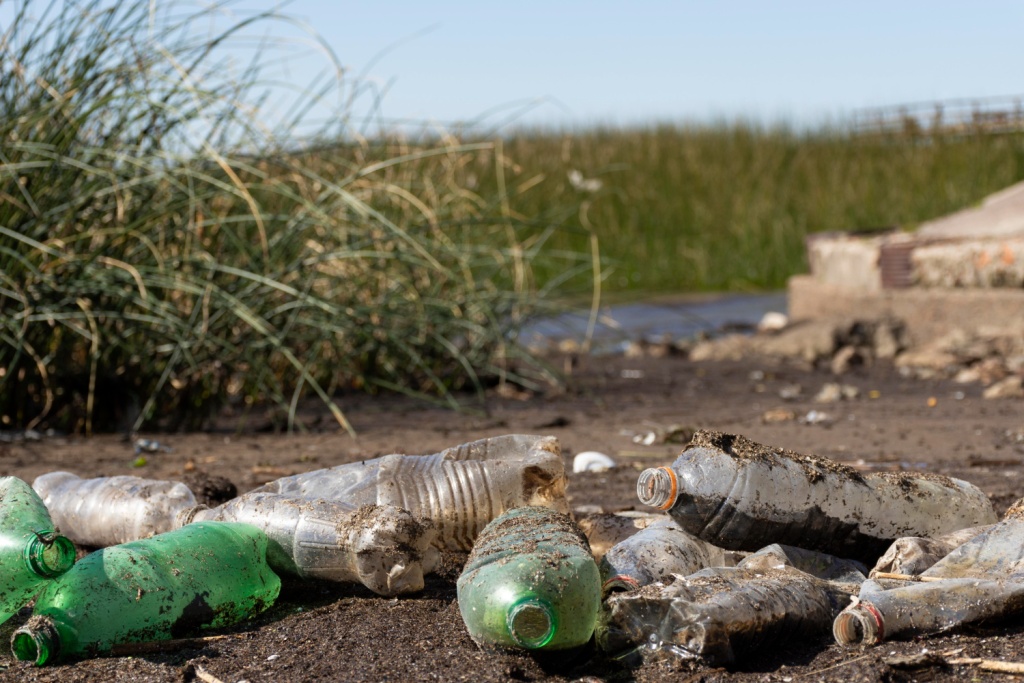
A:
[658,487]
[49,554]
[531,623]
[37,641]
[859,625]
[188,515]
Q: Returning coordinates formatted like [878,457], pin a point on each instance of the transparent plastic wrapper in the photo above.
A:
[913,555]
[657,552]
[460,489]
[982,578]
[380,546]
[530,583]
[204,575]
[606,529]
[718,615]
[741,495]
[106,511]
[32,553]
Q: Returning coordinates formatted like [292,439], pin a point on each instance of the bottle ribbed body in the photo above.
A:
[381,546]
[110,510]
[460,489]
[741,495]
[204,575]
[31,552]
[530,583]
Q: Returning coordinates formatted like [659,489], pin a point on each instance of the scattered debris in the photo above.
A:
[592,461]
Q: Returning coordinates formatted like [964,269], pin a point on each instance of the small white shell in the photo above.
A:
[591,461]
[773,321]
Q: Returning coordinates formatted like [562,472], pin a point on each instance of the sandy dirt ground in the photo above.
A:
[335,632]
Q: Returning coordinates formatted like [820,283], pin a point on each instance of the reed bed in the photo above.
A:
[727,207]
[164,258]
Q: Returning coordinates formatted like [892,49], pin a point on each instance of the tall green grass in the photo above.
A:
[727,207]
[162,254]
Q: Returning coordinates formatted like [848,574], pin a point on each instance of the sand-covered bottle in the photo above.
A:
[981,579]
[382,547]
[657,552]
[460,489]
[31,551]
[104,511]
[741,495]
[204,575]
[719,614]
[530,583]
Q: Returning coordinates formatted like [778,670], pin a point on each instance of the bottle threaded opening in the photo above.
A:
[618,584]
[861,624]
[37,641]
[49,554]
[531,623]
[657,487]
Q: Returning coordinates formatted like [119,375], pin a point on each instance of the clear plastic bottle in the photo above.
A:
[982,578]
[204,575]
[31,551]
[460,489]
[818,565]
[718,614]
[912,555]
[607,529]
[530,583]
[741,495]
[109,510]
[380,546]
[657,552]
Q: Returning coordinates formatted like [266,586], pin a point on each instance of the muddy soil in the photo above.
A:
[634,409]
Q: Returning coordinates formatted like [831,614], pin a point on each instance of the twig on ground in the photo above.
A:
[906,577]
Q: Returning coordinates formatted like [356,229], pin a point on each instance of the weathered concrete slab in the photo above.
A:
[980,246]
[999,215]
[926,312]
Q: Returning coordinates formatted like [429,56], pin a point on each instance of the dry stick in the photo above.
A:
[991,665]
[206,677]
[907,577]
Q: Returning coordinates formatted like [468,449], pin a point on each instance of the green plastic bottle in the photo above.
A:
[530,582]
[203,575]
[31,551]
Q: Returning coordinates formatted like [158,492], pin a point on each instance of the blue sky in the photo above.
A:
[627,62]
[568,62]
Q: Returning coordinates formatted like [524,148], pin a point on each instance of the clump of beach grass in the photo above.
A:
[163,255]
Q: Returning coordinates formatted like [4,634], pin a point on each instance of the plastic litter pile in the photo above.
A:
[745,545]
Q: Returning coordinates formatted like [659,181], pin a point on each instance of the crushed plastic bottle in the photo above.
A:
[204,575]
[741,495]
[460,489]
[657,552]
[380,546]
[607,529]
[31,551]
[818,565]
[981,579]
[913,554]
[530,583]
[110,510]
[718,614]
